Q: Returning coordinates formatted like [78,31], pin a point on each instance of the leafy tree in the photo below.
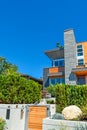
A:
[7,68]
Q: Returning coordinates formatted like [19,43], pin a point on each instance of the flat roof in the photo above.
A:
[55,53]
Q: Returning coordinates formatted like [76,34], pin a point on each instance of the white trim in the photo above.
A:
[80,57]
[59,59]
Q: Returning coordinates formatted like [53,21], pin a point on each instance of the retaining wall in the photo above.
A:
[51,124]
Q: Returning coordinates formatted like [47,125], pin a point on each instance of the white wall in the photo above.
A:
[15,122]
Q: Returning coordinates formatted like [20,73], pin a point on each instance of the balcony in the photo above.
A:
[56,71]
[80,70]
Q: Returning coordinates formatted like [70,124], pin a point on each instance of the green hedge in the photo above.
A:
[16,89]
[51,89]
[69,95]
[50,101]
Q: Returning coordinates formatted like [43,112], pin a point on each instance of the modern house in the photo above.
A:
[69,63]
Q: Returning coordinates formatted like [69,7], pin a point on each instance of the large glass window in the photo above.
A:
[61,63]
[79,50]
[80,62]
[58,62]
[59,80]
[52,81]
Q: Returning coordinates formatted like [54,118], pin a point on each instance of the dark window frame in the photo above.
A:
[79,50]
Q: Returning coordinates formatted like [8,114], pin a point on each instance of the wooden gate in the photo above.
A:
[35,117]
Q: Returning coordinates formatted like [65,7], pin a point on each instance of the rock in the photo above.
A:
[71,112]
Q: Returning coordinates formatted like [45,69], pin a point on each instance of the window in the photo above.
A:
[58,62]
[52,81]
[56,80]
[80,62]
[61,63]
[79,50]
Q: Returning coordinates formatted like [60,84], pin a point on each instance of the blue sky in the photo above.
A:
[29,27]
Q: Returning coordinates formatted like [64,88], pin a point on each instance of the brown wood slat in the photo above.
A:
[35,117]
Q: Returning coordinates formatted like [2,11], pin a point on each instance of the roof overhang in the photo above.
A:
[80,71]
[55,54]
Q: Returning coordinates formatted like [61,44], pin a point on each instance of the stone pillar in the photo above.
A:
[70,56]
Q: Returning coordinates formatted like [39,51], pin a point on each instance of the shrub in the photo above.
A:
[69,95]
[51,89]
[16,89]
[84,110]
[62,96]
[2,124]
[50,101]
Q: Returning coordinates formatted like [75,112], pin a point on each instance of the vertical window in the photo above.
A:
[79,50]
[56,63]
[80,62]
[52,81]
[61,63]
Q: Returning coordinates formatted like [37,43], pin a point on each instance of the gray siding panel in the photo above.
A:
[45,77]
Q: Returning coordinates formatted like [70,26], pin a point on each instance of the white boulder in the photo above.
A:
[71,112]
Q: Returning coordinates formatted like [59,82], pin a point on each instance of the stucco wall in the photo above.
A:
[16,121]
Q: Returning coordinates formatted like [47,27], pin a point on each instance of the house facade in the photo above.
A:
[69,63]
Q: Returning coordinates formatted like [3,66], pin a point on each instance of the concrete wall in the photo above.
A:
[51,124]
[70,56]
[17,120]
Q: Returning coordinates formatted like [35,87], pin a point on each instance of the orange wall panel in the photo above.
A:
[53,70]
[85,51]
